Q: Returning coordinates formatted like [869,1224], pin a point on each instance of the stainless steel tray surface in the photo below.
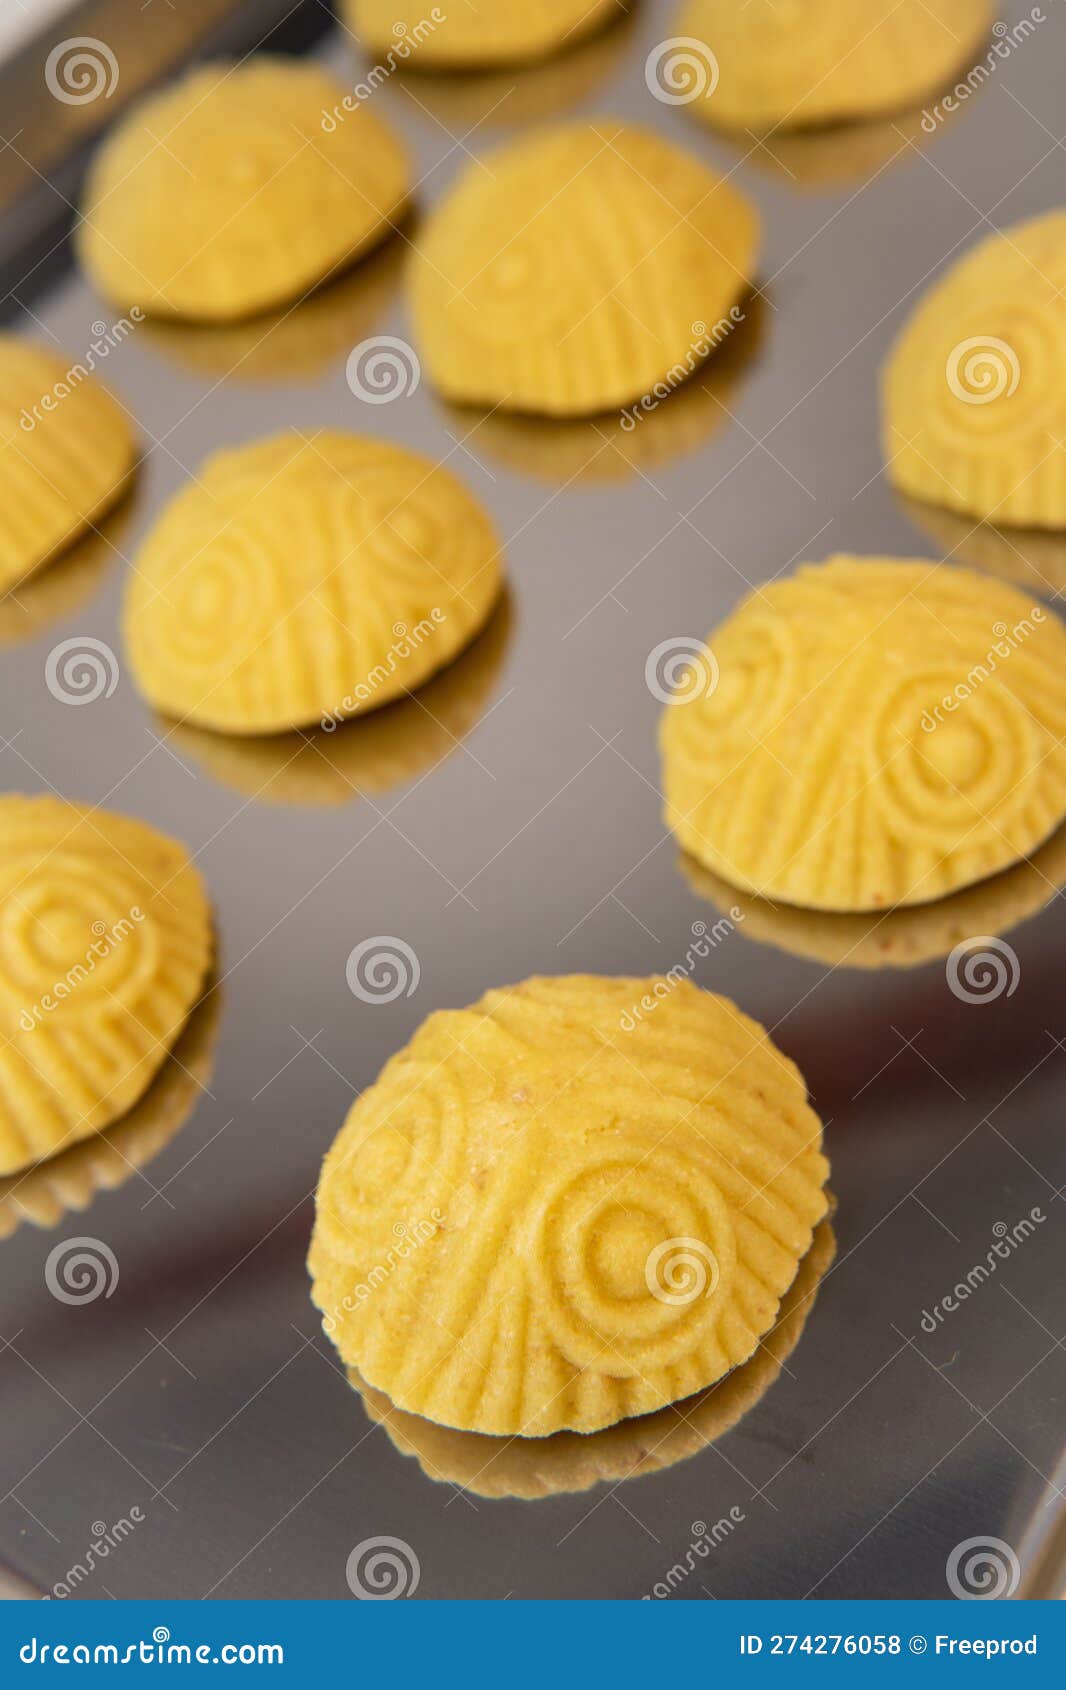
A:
[512,826]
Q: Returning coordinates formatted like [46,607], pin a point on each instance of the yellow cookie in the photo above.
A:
[301,579]
[576,1201]
[105,939]
[765,64]
[577,268]
[974,401]
[871,732]
[66,455]
[237,189]
[474,32]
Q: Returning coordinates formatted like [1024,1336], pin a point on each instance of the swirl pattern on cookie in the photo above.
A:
[479,33]
[305,579]
[105,939]
[237,189]
[585,264]
[787,64]
[872,732]
[974,401]
[576,1201]
[66,455]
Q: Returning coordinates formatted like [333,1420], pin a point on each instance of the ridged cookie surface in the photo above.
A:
[561,1207]
[476,32]
[105,939]
[305,579]
[577,268]
[66,454]
[764,64]
[238,188]
[975,387]
[870,732]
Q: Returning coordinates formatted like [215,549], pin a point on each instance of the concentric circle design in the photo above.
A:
[549,1213]
[883,732]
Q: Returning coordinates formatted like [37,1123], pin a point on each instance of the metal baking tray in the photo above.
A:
[509,823]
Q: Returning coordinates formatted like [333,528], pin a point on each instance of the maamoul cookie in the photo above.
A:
[307,578]
[559,1208]
[105,939]
[576,269]
[238,188]
[575,1461]
[870,732]
[788,63]
[66,455]
[476,32]
[974,401]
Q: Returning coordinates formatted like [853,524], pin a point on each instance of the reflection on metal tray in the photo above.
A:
[517,831]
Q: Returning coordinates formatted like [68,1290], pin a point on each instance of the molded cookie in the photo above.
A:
[577,268]
[476,32]
[105,939]
[870,732]
[788,63]
[576,1201]
[238,188]
[974,393]
[307,579]
[66,455]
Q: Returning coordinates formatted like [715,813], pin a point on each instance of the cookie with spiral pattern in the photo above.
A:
[66,456]
[237,189]
[307,579]
[578,268]
[870,732]
[788,64]
[478,33]
[105,940]
[577,1200]
[974,396]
